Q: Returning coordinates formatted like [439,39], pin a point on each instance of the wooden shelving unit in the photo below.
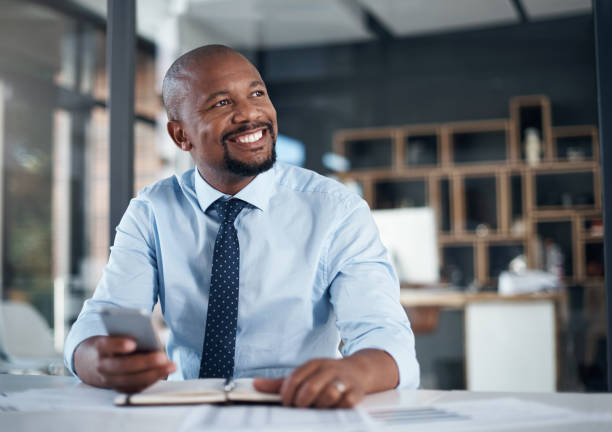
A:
[490,202]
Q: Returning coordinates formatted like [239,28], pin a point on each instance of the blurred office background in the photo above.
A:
[475,120]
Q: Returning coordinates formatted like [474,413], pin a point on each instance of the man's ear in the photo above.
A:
[177,133]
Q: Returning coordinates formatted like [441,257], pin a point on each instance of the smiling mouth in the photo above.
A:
[251,140]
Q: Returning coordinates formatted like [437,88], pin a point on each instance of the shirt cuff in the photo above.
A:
[85,327]
[404,355]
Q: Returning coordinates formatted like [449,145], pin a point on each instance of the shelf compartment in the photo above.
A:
[594,259]
[560,234]
[367,149]
[576,143]
[458,264]
[574,148]
[573,189]
[532,112]
[478,142]
[400,193]
[500,255]
[593,227]
[370,153]
[421,149]
[480,197]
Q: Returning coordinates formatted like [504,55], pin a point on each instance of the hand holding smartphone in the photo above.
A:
[111,362]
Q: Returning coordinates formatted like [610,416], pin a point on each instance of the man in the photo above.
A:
[259,267]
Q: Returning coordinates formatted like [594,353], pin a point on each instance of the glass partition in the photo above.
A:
[54,161]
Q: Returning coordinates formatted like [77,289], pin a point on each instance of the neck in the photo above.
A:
[227,183]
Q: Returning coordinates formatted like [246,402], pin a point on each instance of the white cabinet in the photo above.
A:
[511,346]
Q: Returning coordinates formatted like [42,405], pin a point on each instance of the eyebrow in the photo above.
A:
[255,83]
[216,94]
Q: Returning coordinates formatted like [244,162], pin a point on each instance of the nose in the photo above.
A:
[244,111]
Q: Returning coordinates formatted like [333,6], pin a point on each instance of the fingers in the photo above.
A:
[318,385]
[324,383]
[329,397]
[132,373]
[129,364]
[136,382]
[110,362]
[119,368]
[350,398]
[268,385]
[114,345]
[296,379]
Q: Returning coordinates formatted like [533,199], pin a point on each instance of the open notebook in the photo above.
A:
[198,391]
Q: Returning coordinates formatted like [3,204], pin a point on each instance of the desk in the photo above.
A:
[411,297]
[510,341]
[167,419]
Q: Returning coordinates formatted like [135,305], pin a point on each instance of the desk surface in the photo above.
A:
[412,297]
[168,418]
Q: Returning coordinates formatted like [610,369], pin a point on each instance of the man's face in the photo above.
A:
[228,118]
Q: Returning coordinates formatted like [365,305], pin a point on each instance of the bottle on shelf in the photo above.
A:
[533,146]
[553,258]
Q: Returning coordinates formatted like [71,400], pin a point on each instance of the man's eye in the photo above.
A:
[222,103]
[258,93]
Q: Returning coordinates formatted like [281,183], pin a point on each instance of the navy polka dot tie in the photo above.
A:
[220,333]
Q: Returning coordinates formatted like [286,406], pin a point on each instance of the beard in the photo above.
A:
[246,169]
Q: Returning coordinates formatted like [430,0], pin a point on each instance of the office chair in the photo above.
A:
[26,341]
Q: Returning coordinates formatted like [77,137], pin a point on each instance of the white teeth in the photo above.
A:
[256,136]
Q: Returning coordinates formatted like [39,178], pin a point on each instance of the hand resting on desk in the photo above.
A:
[111,362]
[335,383]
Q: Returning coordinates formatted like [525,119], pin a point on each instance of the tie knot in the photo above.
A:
[229,209]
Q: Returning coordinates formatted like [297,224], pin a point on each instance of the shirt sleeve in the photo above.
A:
[365,294]
[129,279]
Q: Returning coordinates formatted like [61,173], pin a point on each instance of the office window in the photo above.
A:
[46,128]
[54,157]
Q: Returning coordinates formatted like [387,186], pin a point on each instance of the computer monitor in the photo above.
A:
[410,236]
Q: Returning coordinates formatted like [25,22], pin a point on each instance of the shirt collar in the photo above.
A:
[256,193]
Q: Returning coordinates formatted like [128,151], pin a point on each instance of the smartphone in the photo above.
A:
[133,323]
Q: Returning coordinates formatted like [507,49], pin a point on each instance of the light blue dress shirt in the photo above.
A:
[312,271]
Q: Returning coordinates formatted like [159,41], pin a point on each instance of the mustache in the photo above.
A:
[247,127]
